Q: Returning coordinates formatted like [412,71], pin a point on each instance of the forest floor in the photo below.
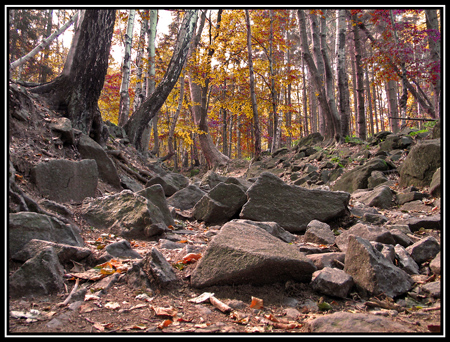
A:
[287,307]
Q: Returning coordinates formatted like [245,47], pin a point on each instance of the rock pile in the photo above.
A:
[265,228]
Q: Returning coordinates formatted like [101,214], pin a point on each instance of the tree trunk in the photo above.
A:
[335,122]
[317,81]
[252,88]
[124,104]
[142,116]
[77,90]
[435,55]
[393,105]
[361,118]
[199,96]
[344,94]
[170,140]
[46,42]
[139,95]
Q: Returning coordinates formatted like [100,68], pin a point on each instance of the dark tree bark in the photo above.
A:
[77,90]
[147,110]
[361,118]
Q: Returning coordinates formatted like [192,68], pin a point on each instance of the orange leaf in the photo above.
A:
[164,324]
[256,303]
[191,257]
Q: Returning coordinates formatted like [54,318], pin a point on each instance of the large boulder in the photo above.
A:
[372,272]
[243,253]
[131,214]
[380,197]
[292,207]
[66,253]
[366,231]
[171,182]
[186,198]
[26,226]
[64,180]
[357,178]
[421,163]
[40,275]
[90,149]
[155,195]
[221,204]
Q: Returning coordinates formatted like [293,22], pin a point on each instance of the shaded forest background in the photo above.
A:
[346,73]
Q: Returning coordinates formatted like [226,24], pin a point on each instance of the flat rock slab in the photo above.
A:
[292,207]
[243,253]
[345,322]
[64,180]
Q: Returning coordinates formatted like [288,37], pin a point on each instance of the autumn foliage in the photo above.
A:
[287,102]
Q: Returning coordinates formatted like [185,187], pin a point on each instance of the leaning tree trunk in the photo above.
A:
[200,107]
[77,90]
[139,120]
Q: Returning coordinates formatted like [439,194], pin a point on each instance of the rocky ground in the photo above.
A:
[109,304]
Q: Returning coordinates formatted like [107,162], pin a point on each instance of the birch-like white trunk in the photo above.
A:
[124,106]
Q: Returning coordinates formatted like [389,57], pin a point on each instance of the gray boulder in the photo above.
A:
[122,249]
[435,186]
[130,214]
[395,142]
[186,198]
[332,282]
[424,249]
[158,270]
[63,126]
[368,232]
[221,204]
[358,177]
[319,232]
[90,149]
[421,163]
[372,272]
[171,182]
[271,227]
[405,262]
[292,207]
[242,253]
[66,253]
[155,195]
[40,275]
[328,259]
[26,226]
[64,180]
[376,178]
[380,197]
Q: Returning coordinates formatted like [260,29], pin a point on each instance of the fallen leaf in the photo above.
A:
[256,303]
[161,311]
[112,305]
[324,306]
[99,326]
[89,296]
[191,257]
[164,324]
